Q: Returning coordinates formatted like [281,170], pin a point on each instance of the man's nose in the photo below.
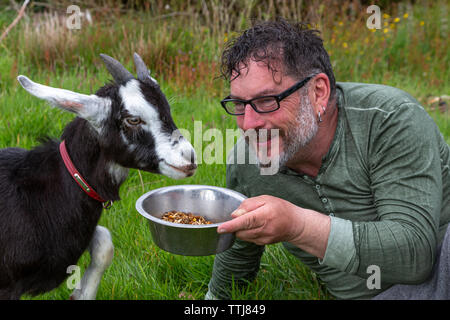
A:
[251,119]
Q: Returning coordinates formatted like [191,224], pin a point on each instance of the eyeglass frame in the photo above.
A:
[278,98]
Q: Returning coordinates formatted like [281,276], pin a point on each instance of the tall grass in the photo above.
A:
[181,41]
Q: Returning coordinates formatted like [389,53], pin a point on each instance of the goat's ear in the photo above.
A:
[86,106]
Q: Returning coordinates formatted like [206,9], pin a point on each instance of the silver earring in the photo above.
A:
[320,119]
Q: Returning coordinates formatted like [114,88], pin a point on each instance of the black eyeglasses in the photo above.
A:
[265,104]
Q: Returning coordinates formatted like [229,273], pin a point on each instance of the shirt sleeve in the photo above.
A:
[341,249]
[407,191]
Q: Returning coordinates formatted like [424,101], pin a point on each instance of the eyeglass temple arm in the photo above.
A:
[293,89]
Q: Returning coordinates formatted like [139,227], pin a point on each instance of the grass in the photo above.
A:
[140,270]
[182,46]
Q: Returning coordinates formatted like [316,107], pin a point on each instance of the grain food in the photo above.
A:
[184,218]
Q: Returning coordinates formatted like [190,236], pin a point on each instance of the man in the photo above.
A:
[363,181]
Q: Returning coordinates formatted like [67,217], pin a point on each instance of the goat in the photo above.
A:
[46,218]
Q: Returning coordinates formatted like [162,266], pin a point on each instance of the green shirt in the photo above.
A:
[385,182]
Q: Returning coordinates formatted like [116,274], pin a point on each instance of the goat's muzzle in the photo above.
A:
[188,170]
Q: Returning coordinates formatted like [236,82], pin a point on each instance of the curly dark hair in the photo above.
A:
[299,49]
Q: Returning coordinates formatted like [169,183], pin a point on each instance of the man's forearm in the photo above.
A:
[313,236]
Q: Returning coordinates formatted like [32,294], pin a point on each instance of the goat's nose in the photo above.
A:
[190,156]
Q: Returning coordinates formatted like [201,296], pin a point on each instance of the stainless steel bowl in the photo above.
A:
[214,203]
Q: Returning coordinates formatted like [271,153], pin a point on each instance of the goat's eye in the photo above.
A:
[133,121]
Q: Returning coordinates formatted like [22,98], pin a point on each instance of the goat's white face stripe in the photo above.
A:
[135,103]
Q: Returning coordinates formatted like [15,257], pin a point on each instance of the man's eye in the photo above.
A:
[238,105]
[265,103]
[133,121]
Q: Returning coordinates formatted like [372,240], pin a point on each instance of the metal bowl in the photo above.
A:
[214,203]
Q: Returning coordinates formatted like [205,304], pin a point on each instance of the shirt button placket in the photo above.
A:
[326,205]
[323,198]
[319,192]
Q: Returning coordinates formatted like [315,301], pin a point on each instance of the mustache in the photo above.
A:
[263,135]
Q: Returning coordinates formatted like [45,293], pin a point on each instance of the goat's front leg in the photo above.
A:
[101,250]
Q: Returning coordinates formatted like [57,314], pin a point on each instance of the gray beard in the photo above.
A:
[296,137]
[302,133]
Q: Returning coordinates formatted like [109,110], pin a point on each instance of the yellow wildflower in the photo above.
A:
[406,16]
[396,19]
[386,16]
[345,45]
[340,23]
[385,30]
[422,23]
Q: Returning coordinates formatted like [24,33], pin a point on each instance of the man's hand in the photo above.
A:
[266,219]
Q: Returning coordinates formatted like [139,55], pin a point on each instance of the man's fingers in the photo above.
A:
[247,206]
[243,222]
[245,217]
[238,212]
[230,226]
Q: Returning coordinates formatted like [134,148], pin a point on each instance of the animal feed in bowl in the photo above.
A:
[184,218]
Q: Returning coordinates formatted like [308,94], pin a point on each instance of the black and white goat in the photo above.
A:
[46,219]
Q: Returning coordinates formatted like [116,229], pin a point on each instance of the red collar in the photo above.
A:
[79,179]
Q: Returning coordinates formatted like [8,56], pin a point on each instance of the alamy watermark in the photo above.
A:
[374,20]
[374,280]
[74,280]
[75,16]
[74,19]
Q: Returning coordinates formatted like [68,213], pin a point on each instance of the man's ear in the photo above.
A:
[90,107]
[321,91]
